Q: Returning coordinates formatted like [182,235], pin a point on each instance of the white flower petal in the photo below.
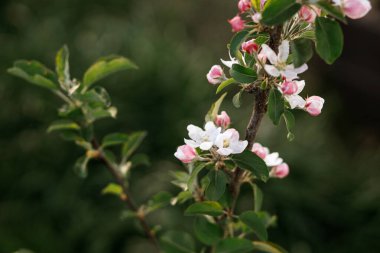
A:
[289,74]
[273,159]
[191,143]
[295,101]
[300,86]
[270,54]
[239,147]
[283,51]
[229,63]
[301,69]
[272,70]
[225,151]
[206,145]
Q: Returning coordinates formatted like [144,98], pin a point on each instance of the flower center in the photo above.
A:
[226,143]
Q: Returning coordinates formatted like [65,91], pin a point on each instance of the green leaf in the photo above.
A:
[214,109]
[217,186]
[334,11]
[182,197]
[133,142]
[225,84]
[114,139]
[242,74]
[35,73]
[159,200]
[302,51]
[140,159]
[62,65]
[236,41]
[257,197]
[278,11]
[290,122]
[251,162]
[106,66]
[128,214]
[207,232]
[329,37]
[94,114]
[275,105]
[256,5]
[80,166]
[234,245]
[262,38]
[211,208]
[194,174]
[63,125]
[268,247]
[310,35]
[177,242]
[252,220]
[113,189]
[236,99]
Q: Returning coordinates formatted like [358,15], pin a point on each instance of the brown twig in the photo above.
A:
[126,196]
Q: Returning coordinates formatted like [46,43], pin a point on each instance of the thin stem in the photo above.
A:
[126,197]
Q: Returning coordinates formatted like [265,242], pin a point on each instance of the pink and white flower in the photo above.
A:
[229,143]
[257,17]
[244,5]
[249,46]
[273,159]
[204,139]
[237,23]
[260,150]
[309,13]
[186,153]
[314,105]
[279,66]
[223,120]
[291,91]
[354,9]
[216,75]
[280,171]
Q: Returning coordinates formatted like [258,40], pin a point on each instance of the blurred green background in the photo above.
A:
[329,203]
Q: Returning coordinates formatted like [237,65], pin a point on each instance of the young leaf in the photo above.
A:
[236,99]
[217,186]
[80,166]
[106,66]
[278,11]
[225,84]
[133,142]
[331,10]
[302,51]
[251,162]
[234,245]
[35,73]
[194,174]
[237,40]
[329,37]
[207,232]
[252,220]
[214,109]
[268,247]
[113,188]
[257,197]
[242,74]
[158,201]
[275,106]
[140,159]
[290,122]
[62,65]
[114,139]
[177,242]
[211,208]
[63,125]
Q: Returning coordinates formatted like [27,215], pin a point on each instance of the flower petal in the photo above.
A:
[272,70]
[283,51]
[295,101]
[206,145]
[270,54]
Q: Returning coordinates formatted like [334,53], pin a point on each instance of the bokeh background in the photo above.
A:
[329,203]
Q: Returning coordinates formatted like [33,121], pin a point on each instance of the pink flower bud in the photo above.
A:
[185,153]
[244,5]
[356,8]
[280,171]
[309,13]
[249,47]
[314,105]
[237,23]
[215,75]
[259,150]
[223,120]
[256,17]
[289,87]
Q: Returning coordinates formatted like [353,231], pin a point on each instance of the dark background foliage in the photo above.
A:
[329,203]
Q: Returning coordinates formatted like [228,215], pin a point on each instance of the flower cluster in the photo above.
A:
[216,138]
[278,169]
